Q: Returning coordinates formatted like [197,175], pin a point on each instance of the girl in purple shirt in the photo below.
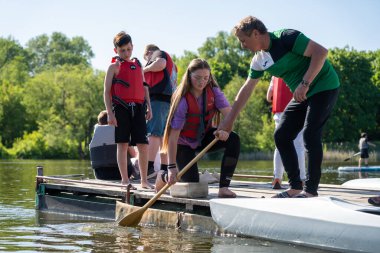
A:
[180,147]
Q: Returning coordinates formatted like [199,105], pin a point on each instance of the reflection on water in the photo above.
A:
[23,229]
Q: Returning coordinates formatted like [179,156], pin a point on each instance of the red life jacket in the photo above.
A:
[281,95]
[162,82]
[193,127]
[127,85]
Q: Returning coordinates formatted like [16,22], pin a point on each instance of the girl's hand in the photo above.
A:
[222,135]
[172,175]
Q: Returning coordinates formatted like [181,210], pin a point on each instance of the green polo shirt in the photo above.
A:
[285,59]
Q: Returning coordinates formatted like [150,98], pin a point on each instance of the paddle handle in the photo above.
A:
[180,174]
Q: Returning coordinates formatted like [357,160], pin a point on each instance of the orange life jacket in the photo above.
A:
[194,127]
[127,85]
[281,95]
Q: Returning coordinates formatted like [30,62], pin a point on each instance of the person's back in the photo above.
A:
[103,135]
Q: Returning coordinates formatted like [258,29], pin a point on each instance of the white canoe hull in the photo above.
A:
[323,222]
[364,183]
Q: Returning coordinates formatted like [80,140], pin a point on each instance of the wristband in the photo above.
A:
[305,83]
[172,166]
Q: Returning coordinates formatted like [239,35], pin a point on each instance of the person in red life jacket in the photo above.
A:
[279,95]
[128,106]
[157,72]
[189,128]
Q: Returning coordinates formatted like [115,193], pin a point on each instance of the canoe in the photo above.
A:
[356,168]
[365,183]
[323,222]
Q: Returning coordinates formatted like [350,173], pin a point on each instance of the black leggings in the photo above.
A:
[230,158]
[311,115]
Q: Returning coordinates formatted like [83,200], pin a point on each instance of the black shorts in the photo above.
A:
[131,124]
[364,153]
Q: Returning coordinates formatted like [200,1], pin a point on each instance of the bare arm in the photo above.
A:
[107,94]
[240,101]
[318,55]
[172,154]
[157,65]
[149,114]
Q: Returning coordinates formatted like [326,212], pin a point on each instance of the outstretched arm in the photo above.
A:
[240,101]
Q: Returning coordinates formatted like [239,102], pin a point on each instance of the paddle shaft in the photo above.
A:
[180,174]
[358,153]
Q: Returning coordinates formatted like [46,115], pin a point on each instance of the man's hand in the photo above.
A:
[300,93]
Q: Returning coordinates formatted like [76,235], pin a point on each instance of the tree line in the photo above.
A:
[51,95]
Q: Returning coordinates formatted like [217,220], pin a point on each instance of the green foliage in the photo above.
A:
[50,95]
[359,98]
[14,73]
[58,50]
[249,123]
[65,102]
[265,140]
[32,145]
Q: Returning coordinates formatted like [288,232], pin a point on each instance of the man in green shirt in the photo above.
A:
[302,64]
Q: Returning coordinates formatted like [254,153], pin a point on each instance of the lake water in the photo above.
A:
[24,229]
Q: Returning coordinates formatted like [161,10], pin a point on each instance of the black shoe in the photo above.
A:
[151,173]
[277,186]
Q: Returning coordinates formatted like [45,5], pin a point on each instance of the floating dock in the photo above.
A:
[74,195]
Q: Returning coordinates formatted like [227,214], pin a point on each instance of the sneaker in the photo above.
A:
[276,184]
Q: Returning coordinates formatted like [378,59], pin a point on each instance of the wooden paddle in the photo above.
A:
[348,158]
[133,219]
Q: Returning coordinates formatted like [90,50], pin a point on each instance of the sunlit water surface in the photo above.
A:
[24,229]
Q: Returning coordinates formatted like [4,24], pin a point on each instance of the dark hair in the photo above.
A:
[248,24]
[103,118]
[363,135]
[121,39]
[151,47]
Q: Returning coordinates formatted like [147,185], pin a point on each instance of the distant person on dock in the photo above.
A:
[279,95]
[303,65]
[189,129]
[128,106]
[364,149]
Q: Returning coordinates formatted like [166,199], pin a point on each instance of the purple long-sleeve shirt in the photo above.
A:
[179,117]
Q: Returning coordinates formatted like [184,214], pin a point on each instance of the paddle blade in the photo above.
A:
[345,160]
[132,219]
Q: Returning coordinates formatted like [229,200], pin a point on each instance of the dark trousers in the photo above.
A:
[229,161]
[311,115]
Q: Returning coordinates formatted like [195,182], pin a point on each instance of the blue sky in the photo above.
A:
[176,25]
